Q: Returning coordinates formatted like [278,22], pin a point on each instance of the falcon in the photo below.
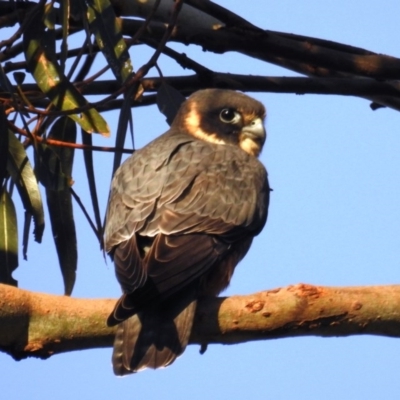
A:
[182,213]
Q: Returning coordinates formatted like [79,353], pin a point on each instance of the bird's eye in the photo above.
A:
[229,115]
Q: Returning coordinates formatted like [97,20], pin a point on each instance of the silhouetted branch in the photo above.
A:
[272,46]
[361,87]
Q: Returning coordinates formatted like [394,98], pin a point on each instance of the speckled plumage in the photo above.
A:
[182,213]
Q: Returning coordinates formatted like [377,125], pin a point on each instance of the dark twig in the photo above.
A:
[86,214]
[182,59]
[145,24]
[224,15]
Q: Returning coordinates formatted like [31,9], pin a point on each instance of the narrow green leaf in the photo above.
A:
[48,168]
[107,30]
[65,12]
[59,203]
[25,233]
[125,118]
[3,145]
[39,45]
[64,233]
[8,239]
[5,83]
[64,130]
[88,158]
[78,9]
[20,169]
[78,12]
[168,101]
[49,16]
[54,163]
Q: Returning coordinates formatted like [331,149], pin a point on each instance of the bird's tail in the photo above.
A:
[153,338]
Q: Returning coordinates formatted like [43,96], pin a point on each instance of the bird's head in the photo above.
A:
[224,117]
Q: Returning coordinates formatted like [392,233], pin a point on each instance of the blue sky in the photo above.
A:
[334,220]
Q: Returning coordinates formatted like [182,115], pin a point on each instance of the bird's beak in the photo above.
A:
[252,137]
[255,130]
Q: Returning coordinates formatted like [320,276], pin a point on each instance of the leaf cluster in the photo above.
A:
[38,125]
[49,90]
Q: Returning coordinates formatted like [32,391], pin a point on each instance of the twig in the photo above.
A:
[78,146]
[86,214]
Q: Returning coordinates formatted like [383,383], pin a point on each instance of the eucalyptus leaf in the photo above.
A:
[104,24]
[124,120]
[5,83]
[39,44]
[168,101]
[3,145]
[65,7]
[54,163]
[59,202]
[8,239]
[48,168]
[20,169]
[88,158]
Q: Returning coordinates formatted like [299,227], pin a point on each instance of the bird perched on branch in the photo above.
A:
[182,213]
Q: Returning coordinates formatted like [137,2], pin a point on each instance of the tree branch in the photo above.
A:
[276,47]
[309,56]
[40,325]
[251,83]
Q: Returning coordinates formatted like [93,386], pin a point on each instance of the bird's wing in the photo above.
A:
[182,192]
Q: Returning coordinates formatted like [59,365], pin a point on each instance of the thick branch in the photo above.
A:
[299,310]
[309,56]
[40,325]
[322,59]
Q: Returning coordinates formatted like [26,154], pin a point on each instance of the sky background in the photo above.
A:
[334,220]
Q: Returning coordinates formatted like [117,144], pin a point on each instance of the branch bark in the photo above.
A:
[40,325]
[305,55]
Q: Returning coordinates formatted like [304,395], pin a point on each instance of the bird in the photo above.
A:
[182,212]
